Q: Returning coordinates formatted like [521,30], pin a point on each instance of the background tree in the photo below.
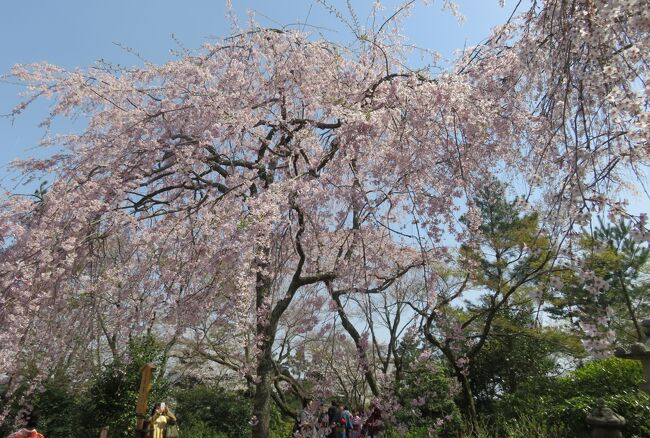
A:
[565,400]
[508,253]
[608,290]
[426,393]
[517,351]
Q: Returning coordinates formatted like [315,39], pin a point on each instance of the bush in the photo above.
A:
[281,426]
[58,406]
[211,410]
[425,396]
[565,401]
[531,427]
[200,429]
[111,397]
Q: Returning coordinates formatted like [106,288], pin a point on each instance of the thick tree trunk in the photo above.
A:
[262,399]
[265,331]
[470,406]
[267,327]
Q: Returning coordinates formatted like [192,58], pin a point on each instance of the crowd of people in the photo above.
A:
[337,421]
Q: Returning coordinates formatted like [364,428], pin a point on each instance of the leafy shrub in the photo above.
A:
[425,396]
[111,397]
[108,399]
[565,401]
[58,407]
[281,426]
[212,410]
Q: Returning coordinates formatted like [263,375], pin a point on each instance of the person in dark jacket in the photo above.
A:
[334,418]
[373,425]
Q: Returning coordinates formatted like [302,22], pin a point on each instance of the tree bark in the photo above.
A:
[630,309]
[468,396]
[461,377]
[262,399]
[265,336]
[356,337]
[267,326]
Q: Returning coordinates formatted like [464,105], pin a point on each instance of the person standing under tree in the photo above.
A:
[357,422]
[349,422]
[162,422]
[340,423]
[373,425]
[307,420]
[333,418]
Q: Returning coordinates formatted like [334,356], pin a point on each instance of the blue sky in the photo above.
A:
[76,33]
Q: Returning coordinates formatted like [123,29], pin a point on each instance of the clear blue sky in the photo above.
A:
[76,33]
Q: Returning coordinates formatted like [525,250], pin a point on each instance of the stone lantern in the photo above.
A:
[605,422]
[640,351]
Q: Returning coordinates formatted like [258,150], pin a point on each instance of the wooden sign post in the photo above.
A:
[143,394]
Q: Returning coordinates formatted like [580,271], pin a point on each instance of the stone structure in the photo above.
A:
[640,351]
[605,422]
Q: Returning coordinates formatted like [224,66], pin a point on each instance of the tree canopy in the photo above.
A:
[274,168]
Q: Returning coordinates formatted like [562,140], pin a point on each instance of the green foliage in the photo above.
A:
[565,401]
[204,410]
[109,399]
[635,407]
[281,426]
[199,428]
[602,377]
[517,351]
[214,412]
[510,248]
[502,262]
[532,427]
[424,392]
[112,394]
[610,252]
[58,405]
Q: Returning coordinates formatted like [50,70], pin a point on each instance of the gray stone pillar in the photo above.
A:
[604,422]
